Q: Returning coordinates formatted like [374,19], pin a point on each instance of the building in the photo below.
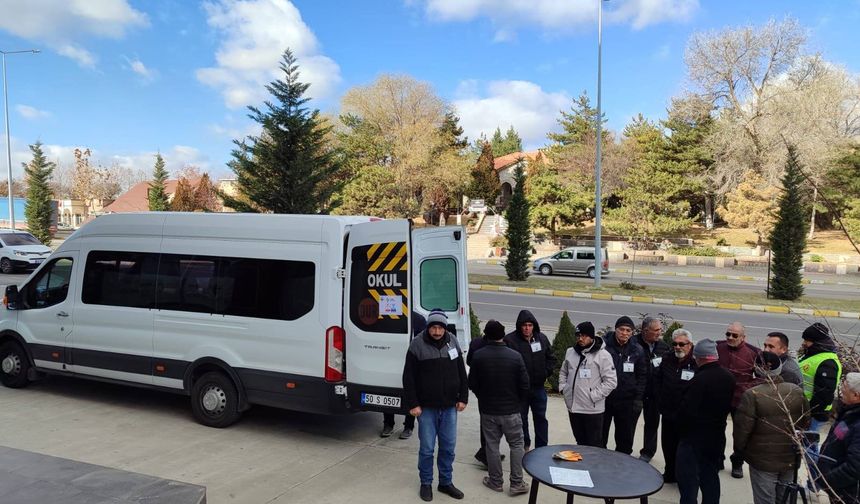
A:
[505,167]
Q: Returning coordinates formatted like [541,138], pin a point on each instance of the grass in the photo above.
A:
[610,287]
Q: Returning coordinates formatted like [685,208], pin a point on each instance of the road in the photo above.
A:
[813,290]
[702,322]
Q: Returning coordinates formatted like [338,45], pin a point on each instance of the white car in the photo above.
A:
[19,250]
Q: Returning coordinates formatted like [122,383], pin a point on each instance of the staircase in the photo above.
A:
[478,245]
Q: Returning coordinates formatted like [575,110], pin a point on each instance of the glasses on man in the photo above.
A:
[679,344]
[732,335]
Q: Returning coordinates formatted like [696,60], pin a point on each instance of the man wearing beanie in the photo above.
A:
[624,404]
[764,424]
[840,455]
[536,351]
[435,389]
[499,379]
[586,378]
[821,370]
[738,356]
[702,418]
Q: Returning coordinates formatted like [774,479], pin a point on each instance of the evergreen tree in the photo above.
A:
[518,233]
[564,339]
[158,201]
[474,323]
[498,143]
[485,179]
[553,202]
[205,195]
[38,208]
[289,167]
[452,132]
[183,197]
[507,144]
[578,125]
[788,238]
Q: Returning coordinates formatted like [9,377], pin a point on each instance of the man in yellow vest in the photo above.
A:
[821,372]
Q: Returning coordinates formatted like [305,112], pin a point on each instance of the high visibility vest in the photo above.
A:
[809,366]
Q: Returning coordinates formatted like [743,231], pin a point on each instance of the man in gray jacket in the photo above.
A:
[777,343]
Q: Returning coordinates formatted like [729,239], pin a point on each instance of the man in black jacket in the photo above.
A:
[839,461]
[499,380]
[435,389]
[419,323]
[475,345]
[702,418]
[650,338]
[624,404]
[671,381]
[536,351]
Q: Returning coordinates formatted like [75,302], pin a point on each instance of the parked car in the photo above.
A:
[21,250]
[573,260]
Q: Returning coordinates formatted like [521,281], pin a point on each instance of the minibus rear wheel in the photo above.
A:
[214,400]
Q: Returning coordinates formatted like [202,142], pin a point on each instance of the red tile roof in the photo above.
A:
[502,162]
[136,199]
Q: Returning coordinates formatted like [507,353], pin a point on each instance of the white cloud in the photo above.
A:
[556,15]
[137,66]
[521,104]
[63,24]
[32,113]
[255,34]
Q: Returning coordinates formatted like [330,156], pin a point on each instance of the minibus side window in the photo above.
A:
[120,279]
[186,283]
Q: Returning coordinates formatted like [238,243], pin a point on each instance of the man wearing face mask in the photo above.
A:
[535,349]
[671,382]
[738,357]
[624,404]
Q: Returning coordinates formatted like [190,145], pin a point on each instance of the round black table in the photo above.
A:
[615,475]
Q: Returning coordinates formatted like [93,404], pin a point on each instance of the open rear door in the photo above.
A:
[376,316]
[439,277]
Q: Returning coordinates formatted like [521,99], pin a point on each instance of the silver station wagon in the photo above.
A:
[573,260]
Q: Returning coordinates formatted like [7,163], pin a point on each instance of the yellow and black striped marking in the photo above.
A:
[387,273]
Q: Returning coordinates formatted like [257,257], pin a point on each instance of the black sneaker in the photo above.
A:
[426,493]
[738,472]
[387,430]
[450,490]
[406,434]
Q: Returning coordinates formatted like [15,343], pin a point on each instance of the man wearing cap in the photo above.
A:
[821,370]
[535,349]
[702,419]
[435,389]
[839,462]
[764,425]
[777,343]
[738,356]
[498,377]
[624,404]
[586,378]
[650,338]
[671,382]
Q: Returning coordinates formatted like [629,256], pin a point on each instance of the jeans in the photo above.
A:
[697,468]
[652,422]
[537,403]
[764,485]
[408,421]
[625,413]
[433,424]
[493,427]
[587,429]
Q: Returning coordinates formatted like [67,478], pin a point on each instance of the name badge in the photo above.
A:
[585,373]
[536,346]
[628,367]
[687,375]
[453,353]
[656,361]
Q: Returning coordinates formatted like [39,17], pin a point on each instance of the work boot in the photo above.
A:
[737,471]
[450,490]
[387,430]
[426,493]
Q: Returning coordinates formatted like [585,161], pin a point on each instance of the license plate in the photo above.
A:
[37,261]
[380,400]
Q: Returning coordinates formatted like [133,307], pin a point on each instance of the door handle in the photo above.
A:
[62,314]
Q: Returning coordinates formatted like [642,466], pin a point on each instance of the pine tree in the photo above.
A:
[289,167]
[513,142]
[788,238]
[158,201]
[485,179]
[553,202]
[205,195]
[505,144]
[452,132]
[183,197]
[578,125]
[518,233]
[38,208]
[564,339]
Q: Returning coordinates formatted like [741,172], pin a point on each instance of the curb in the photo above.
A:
[710,276]
[784,310]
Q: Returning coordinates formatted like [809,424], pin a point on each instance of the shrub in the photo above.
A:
[475,323]
[722,243]
[667,335]
[499,241]
[700,252]
[564,339]
[630,286]
[816,258]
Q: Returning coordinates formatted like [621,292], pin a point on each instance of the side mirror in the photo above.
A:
[10,300]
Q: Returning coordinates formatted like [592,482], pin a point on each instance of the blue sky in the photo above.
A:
[127,78]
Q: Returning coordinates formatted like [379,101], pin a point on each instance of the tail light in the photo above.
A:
[605,264]
[334,348]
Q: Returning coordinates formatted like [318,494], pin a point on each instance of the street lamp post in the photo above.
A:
[8,135]
[598,210]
